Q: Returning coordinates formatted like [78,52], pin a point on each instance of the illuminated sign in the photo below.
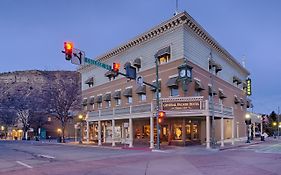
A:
[249,87]
[181,105]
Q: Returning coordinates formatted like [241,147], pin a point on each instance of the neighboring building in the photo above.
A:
[130,109]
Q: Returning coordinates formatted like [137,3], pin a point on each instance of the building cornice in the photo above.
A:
[178,20]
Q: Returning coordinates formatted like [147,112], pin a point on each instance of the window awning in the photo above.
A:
[218,67]
[236,101]
[154,84]
[162,52]
[117,95]
[198,86]
[109,74]
[141,90]
[137,62]
[128,92]
[237,80]
[92,100]
[107,97]
[242,102]
[210,91]
[85,102]
[172,82]
[221,95]
[99,99]
[90,81]
[249,103]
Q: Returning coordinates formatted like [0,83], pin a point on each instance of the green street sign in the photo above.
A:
[97,63]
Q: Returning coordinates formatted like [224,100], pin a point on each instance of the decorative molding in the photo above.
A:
[178,20]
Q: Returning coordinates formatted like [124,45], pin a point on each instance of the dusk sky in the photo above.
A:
[32,33]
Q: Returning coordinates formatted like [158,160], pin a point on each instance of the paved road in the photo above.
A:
[20,158]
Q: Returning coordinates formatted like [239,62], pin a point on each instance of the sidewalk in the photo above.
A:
[168,148]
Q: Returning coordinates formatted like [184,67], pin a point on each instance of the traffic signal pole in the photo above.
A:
[157,105]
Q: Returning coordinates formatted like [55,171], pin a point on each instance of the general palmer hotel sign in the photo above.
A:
[179,105]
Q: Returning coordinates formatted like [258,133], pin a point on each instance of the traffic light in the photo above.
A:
[161,116]
[116,67]
[68,50]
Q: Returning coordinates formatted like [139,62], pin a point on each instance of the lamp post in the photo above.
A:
[80,117]
[59,135]
[274,124]
[248,123]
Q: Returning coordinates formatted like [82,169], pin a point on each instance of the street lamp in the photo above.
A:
[59,135]
[2,128]
[274,124]
[80,117]
[248,123]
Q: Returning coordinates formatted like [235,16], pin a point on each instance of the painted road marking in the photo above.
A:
[46,156]
[23,164]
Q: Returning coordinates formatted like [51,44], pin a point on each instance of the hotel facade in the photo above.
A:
[120,111]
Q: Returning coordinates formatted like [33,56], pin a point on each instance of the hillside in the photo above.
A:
[34,83]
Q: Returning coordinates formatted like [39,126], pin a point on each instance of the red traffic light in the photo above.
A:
[68,49]
[161,116]
[116,67]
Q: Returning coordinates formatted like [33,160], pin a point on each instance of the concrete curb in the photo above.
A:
[240,146]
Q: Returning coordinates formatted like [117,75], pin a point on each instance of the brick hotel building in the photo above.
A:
[120,111]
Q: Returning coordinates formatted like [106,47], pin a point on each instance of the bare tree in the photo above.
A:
[64,97]
[23,102]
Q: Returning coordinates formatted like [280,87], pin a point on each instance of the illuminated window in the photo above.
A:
[164,59]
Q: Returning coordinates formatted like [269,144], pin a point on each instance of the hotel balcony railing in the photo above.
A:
[150,107]
[221,109]
[122,111]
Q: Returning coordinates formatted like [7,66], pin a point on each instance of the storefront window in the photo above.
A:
[146,131]
[177,132]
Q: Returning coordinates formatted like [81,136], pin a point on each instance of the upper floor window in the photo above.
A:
[100,105]
[107,99]
[108,104]
[118,101]
[117,97]
[164,59]
[142,97]
[141,91]
[174,91]
[128,94]
[172,83]
[163,55]
[129,100]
